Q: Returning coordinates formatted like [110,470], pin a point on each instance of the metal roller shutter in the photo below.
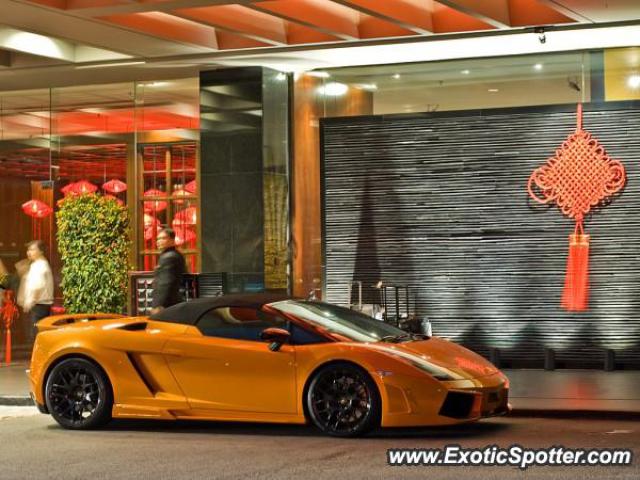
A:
[439,202]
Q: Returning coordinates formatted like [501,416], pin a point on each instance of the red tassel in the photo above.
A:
[7,351]
[575,296]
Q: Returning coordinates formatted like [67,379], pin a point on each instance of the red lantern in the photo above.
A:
[68,189]
[83,187]
[114,186]
[149,233]
[180,193]
[191,187]
[36,209]
[150,221]
[151,225]
[155,205]
[185,217]
[184,235]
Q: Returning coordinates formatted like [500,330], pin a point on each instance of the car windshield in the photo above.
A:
[343,321]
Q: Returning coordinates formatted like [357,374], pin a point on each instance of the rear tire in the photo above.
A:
[78,394]
[343,400]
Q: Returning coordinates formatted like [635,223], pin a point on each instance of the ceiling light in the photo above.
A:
[333,89]
[465,72]
[36,44]
[368,86]
[396,76]
[633,81]
[154,84]
[319,74]
[537,66]
[493,90]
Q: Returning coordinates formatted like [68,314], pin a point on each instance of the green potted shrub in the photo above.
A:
[94,243]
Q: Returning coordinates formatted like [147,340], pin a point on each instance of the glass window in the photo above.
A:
[169,199]
[247,324]
[302,336]
[167,135]
[468,84]
[343,321]
[239,323]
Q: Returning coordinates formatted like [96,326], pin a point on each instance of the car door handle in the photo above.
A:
[174,351]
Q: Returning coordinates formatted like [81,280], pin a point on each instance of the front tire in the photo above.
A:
[343,400]
[78,394]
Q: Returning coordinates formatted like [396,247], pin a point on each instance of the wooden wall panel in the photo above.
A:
[15,226]
[308,108]
[439,202]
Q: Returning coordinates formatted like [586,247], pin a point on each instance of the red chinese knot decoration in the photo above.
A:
[580,176]
[9,313]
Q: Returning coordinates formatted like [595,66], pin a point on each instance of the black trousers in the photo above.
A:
[37,313]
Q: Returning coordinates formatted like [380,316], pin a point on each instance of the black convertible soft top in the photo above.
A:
[189,312]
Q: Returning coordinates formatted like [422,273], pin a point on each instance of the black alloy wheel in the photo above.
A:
[78,394]
[343,400]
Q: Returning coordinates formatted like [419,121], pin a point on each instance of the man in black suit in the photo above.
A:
[167,277]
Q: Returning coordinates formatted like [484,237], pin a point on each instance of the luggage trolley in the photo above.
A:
[391,294]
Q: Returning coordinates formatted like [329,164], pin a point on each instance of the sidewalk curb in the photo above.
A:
[14,401]
[575,414]
[22,401]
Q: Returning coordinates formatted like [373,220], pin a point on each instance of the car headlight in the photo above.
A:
[436,372]
[421,363]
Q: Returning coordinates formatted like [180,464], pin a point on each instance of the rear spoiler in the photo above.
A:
[59,321]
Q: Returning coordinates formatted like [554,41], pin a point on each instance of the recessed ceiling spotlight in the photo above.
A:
[333,89]
[154,84]
[493,90]
[465,72]
[537,66]
[396,76]
[633,81]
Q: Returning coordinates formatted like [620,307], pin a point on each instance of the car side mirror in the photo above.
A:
[277,337]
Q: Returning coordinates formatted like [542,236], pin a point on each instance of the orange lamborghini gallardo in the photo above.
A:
[258,358]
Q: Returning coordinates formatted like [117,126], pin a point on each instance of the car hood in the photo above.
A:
[441,353]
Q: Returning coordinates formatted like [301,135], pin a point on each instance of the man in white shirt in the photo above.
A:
[37,294]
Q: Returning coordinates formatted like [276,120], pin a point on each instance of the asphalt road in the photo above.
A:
[34,447]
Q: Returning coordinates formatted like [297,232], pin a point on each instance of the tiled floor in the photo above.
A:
[13,380]
[575,390]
